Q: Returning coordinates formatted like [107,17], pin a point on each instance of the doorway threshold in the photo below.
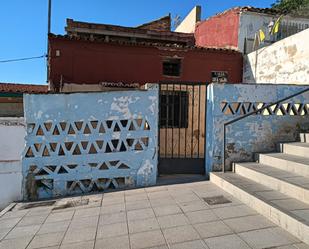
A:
[180,178]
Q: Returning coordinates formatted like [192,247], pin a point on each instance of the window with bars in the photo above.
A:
[174,106]
[171,67]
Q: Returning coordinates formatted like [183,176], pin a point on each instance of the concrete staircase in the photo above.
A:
[276,186]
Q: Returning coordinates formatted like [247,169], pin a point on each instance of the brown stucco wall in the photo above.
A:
[93,62]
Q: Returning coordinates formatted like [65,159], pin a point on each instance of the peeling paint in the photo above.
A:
[86,145]
[284,62]
[254,134]
[145,174]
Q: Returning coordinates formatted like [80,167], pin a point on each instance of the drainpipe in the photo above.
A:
[48,32]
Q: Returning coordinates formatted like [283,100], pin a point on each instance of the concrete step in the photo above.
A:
[291,184]
[295,164]
[304,137]
[288,213]
[296,149]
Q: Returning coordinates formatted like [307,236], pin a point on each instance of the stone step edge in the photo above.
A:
[263,178]
[299,168]
[288,221]
[303,137]
[282,150]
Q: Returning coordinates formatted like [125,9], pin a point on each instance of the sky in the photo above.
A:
[23,25]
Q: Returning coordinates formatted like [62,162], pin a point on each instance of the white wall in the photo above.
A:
[251,22]
[189,22]
[12,133]
[285,62]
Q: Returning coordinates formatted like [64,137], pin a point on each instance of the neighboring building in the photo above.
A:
[236,28]
[284,62]
[188,24]
[94,53]
[11,97]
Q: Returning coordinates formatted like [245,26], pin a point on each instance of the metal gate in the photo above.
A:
[182,127]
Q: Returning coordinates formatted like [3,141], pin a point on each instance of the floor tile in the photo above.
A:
[32,220]
[114,208]
[137,191]
[24,231]
[173,220]
[146,239]
[17,243]
[212,229]
[175,214]
[79,235]
[137,205]
[137,197]
[77,222]
[54,227]
[201,216]
[159,247]
[247,223]
[87,212]
[301,246]
[226,242]
[294,246]
[121,242]
[167,210]
[9,223]
[193,206]
[140,214]
[186,197]
[180,234]
[233,211]
[4,232]
[162,201]
[14,214]
[38,211]
[60,216]
[112,230]
[112,218]
[195,244]
[159,194]
[112,200]
[137,226]
[79,245]
[46,240]
[269,237]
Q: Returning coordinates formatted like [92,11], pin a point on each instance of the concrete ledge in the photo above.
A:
[297,149]
[288,221]
[272,181]
[7,209]
[295,164]
[304,137]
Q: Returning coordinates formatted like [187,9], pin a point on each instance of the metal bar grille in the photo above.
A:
[182,127]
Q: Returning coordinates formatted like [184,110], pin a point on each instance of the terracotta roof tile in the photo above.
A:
[22,88]
[141,44]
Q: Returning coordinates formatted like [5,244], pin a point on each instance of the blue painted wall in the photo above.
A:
[257,133]
[84,142]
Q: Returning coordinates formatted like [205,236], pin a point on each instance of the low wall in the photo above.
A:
[257,133]
[83,142]
[284,62]
[12,133]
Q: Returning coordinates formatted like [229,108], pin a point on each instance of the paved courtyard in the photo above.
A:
[172,216]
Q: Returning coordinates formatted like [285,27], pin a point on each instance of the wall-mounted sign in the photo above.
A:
[219,77]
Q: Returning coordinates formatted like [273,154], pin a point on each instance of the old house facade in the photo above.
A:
[94,53]
[236,28]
